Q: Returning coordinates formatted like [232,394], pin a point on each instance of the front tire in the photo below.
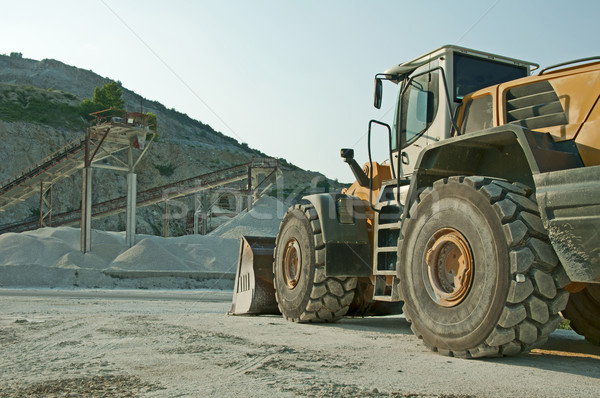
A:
[479,276]
[303,291]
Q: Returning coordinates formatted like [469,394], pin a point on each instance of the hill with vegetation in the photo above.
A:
[43,105]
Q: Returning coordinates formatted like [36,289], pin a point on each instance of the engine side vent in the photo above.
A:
[534,106]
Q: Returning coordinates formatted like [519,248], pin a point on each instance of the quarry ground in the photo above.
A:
[181,343]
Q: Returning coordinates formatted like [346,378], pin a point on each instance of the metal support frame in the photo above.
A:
[45,205]
[100,143]
[203,207]
[210,181]
[199,215]
[86,192]
[244,199]
[239,202]
[166,220]
[196,210]
[249,187]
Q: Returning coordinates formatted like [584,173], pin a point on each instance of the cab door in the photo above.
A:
[416,127]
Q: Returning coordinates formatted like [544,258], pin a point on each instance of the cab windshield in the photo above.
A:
[472,73]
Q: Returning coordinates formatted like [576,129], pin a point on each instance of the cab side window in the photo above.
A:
[419,106]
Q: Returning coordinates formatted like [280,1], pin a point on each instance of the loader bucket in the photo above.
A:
[253,292]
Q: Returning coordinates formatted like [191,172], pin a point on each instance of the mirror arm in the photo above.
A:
[359,174]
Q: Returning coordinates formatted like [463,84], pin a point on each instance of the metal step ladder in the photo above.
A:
[385,250]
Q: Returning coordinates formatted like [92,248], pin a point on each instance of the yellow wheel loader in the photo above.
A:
[484,219]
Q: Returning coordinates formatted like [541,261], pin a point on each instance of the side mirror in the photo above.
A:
[378,93]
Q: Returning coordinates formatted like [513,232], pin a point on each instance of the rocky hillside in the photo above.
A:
[38,116]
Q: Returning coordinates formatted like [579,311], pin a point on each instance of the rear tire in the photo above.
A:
[583,312]
[364,305]
[479,276]
[303,292]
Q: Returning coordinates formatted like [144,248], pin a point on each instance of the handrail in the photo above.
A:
[575,61]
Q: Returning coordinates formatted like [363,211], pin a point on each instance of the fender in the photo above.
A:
[569,201]
[508,152]
[343,222]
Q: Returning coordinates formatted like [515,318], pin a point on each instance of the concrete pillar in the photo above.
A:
[204,227]
[131,207]
[250,201]
[86,210]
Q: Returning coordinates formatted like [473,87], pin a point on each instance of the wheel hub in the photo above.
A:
[449,267]
[292,263]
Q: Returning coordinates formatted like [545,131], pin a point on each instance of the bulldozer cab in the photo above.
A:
[431,88]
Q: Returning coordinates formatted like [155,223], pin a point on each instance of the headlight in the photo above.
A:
[345,210]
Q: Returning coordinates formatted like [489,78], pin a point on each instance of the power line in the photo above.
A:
[477,22]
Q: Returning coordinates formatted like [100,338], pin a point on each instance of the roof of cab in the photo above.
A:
[406,68]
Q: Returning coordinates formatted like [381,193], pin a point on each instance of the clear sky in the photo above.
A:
[293,79]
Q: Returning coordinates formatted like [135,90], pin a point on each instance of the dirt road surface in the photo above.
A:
[181,343]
